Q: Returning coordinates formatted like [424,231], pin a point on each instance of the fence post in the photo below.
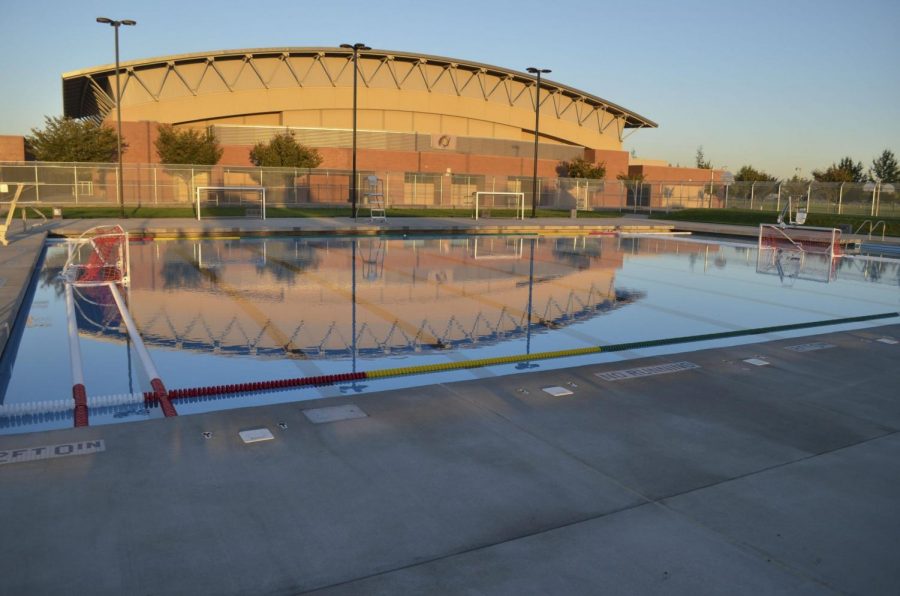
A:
[75,174]
[808,195]
[840,197]
[119,199]
[155,187]
[752,188]
[37,187]
[192,191]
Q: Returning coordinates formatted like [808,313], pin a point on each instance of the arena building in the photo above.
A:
[416,113]
[433,131]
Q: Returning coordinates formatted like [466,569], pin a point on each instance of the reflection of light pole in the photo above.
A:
[537,115]
[530,291]
[115,25]
[356,48]
[353,302]
[527,364]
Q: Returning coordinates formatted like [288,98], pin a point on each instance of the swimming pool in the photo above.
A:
[388,312]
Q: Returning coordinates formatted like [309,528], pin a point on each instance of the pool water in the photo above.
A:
[220,312]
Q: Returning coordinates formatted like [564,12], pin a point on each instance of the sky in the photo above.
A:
[786,86]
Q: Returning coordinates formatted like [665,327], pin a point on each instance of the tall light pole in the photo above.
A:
[356,48]
[120,188]
[537,120]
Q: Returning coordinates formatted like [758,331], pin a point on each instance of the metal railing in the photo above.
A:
[92,184]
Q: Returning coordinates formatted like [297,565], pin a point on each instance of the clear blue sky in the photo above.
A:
[778,84]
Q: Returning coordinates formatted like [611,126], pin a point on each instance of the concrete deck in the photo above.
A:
[727,478]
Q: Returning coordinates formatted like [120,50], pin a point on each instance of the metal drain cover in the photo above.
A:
[557,391]
[757,362]
[334,414]
[256,435]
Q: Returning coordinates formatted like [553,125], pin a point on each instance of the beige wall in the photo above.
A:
[395,95]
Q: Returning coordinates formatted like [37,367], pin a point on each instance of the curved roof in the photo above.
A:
[87,93]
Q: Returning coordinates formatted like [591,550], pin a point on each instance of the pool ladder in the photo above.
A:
[873,227]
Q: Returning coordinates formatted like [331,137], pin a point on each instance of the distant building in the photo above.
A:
[416,113]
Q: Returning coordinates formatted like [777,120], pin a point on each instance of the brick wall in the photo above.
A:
[12,148]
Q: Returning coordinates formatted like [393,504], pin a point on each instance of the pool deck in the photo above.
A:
[727,478]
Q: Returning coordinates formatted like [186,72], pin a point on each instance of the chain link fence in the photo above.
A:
[85,184]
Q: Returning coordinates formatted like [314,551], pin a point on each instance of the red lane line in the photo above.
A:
[160,393]
[81,410]
[255,386]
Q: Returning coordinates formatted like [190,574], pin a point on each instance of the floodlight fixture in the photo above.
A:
[119,183]
[356,47]
[537,115]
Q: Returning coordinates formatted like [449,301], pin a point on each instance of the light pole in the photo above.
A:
[356,48]
[115,25]
[537,119]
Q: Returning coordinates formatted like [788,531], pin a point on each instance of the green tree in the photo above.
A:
[885,168]
[66,139]
[187,146]
[283,151]
[582,168]
[751,174]
[701,160]
[844,171]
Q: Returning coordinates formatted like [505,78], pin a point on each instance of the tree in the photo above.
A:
[187,146]
[844,171]
[751,174]
[884,167]
[283,151]
[582,168]
[66,139]
[701,160]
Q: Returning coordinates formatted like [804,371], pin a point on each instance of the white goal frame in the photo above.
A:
[808,239]
[259,189]
[520,201]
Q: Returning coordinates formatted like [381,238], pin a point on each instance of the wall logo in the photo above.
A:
[442,141]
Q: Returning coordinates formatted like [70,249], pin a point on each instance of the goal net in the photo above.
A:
[97,257]
[486,201]
[234,201]
[794,252]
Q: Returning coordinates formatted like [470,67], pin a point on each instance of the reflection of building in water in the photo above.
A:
[295,297]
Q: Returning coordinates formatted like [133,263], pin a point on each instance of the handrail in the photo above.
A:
[862,225]
[873,227]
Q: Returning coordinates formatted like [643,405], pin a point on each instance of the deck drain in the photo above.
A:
[757,362]
[334,414]
[256,435]
[282,425]
[811,347]
[646,371]
[557,391]
[207,434]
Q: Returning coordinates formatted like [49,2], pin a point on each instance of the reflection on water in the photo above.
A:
[230,311]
